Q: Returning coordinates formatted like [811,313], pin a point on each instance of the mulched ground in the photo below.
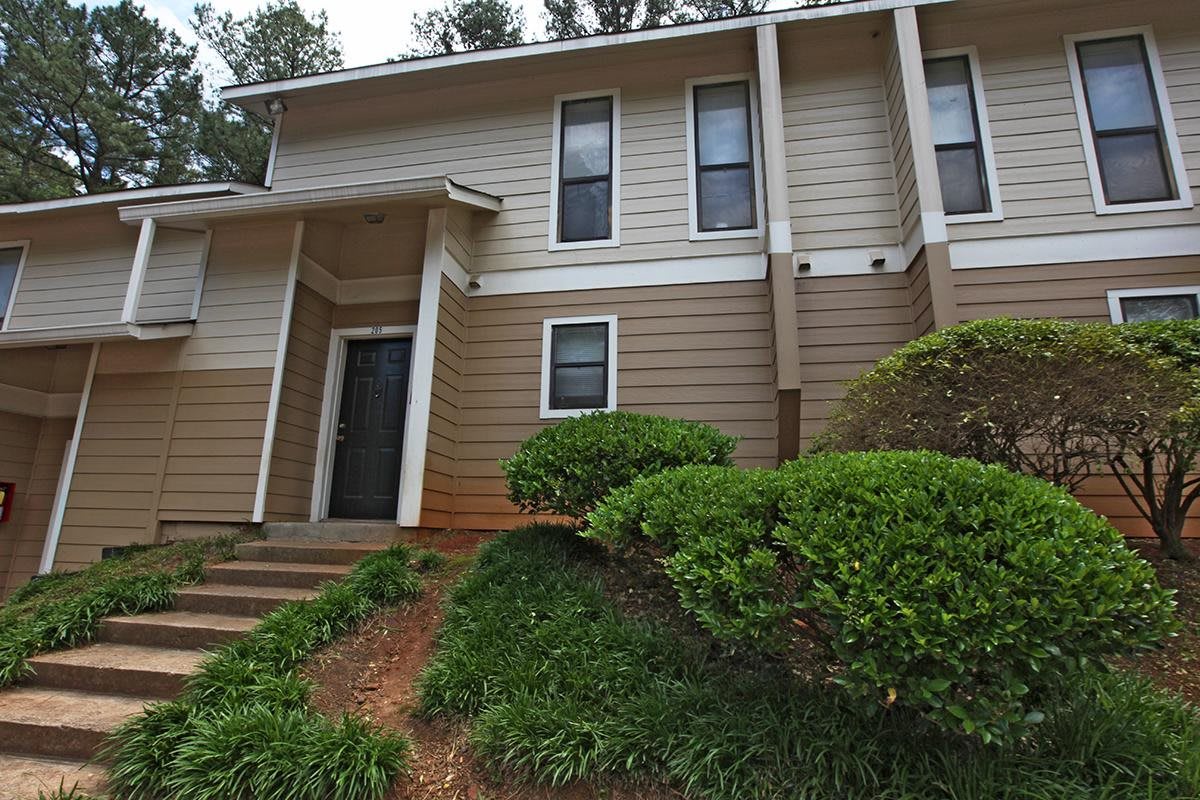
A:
[373,671]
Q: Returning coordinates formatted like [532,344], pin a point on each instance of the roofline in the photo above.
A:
[425,188]
[249,93]
[130,195]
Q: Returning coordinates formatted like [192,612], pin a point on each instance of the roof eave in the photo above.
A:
[130,196]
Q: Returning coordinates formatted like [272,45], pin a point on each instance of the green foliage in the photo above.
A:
[243,728]
[560,685]
[568,19]
[93,99]
[938,584]
[65,609]
[569,467]
[467,25]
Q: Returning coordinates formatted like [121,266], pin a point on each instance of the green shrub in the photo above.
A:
[559,685]
[569,467]
[242,727]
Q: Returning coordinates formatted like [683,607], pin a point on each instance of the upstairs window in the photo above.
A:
[1125,117]
[962,146]
[585,180]
[1148,305]
[10,263]
[578,365]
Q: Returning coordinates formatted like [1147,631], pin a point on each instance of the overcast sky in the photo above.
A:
[372,32]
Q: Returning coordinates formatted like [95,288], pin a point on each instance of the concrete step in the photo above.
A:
[176,629]
[306,552]
[220,598]
[23,777]
[127,669]
[337,531]
[273,573]
[60,723]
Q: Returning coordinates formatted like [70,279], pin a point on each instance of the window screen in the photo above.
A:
[10,259]
[724,178]
[956,137]
[1126,123]
[579,366]
[585,170]
[1158,307]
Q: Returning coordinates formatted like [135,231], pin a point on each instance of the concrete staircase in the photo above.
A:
[51,724]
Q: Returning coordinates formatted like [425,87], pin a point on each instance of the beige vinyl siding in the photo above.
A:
[28,368]
[920,296]
[294,456]
[698,352]
[30,537]
[1072,291]
[242,303]
[460,236]
[19,436]
[169,289]
[367,314]
[495,135]
[841,182]
[76,272]
[438,501]
[907,198]
[847,323]
[1040,160]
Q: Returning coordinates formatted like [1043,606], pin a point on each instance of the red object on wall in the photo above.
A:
[7,492]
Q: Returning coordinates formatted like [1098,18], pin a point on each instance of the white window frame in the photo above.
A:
[335,373]
[1174,153]
[1117,314]
[614,239]
[985,135]
[548,326]
[12,298]
[756,164]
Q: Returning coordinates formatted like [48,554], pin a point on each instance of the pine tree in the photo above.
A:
[467,25]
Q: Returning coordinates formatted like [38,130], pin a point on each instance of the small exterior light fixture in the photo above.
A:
[374,217]
[276,106]
[876,258]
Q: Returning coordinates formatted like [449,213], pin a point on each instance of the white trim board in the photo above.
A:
[1063,248]
[137,274]
[59,509]
[335,366]
[849,261]
[624,274]
[756,158]
[1117,314]
[12,297]
[548,326]
[1174,154]
[130,195]
[614,167]
[281,349]
[985,135]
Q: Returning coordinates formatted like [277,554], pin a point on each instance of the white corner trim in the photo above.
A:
[756,160]
[985,136]
[335,365]
[779,236]
[1117,314]
[416,423]
[1178,169]
[623,274]
[920,122]
[59,510]
[202,274]
[137,273]
[1063,248]
[11,303]
[614,240]
[548,325]
[276,128]
[281,349]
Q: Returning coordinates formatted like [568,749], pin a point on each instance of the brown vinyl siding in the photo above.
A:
[920,296]
[169,289]
[294,456]
[438,500]
[698,351]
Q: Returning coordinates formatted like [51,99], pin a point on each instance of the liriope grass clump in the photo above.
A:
[64,609]
[558,685]
[243,728]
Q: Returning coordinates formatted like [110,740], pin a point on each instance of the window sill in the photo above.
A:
[962,219]
[738,233]
[595,244]
[1182,204]
[565,413]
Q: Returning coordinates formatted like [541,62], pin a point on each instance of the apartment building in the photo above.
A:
[720,221]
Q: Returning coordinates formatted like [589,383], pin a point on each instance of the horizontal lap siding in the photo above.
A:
[503,146]
[39,499]
[174,266]
[846,325]
[700,352]
[1072,291]
[19,437]
[920,295]
[438,500]
[841,182]
[294,457]
[1104,495]
[1040,160]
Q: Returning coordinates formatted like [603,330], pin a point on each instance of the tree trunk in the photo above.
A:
[1170,536]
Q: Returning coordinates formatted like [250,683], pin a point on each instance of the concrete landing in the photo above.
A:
[22,777]
[337,531]
[306,552]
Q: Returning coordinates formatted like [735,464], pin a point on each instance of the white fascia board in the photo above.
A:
[250,95]
[624,274]
[437,187]
[74,334]
[1065,248]
[130,196]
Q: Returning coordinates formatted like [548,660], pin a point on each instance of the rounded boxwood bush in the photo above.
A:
[568,468]
[962,590]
